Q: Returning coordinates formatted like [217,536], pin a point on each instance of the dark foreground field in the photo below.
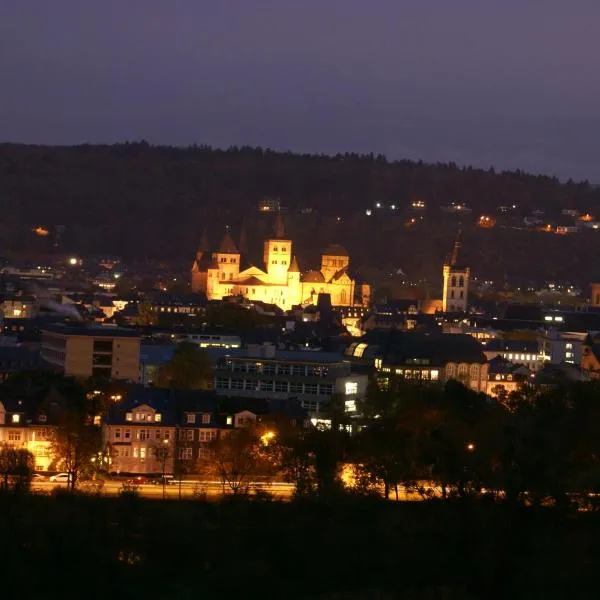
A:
[92,547]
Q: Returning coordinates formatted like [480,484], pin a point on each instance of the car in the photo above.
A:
[60,478]
[166,480]
[139,480]
[37,477]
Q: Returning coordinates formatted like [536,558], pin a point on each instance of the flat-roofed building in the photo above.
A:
[100,351]
[313,378]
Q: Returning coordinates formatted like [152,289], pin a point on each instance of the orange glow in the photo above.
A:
[587,218]
[41,231]
[486,222]
[546,228]
[410,222]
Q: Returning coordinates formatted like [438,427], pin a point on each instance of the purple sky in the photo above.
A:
[513,83]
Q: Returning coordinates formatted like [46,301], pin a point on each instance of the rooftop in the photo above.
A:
[90,330]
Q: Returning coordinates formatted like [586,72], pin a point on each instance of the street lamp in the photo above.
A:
[470,447]
[266,437]
[162,453]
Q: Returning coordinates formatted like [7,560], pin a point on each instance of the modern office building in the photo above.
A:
[313,378]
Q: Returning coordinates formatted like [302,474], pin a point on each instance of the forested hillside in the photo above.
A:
[139,200]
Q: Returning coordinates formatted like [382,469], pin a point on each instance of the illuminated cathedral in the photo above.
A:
[279,280]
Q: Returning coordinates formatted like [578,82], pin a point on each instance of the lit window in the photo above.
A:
[185,453]
[510,357]
[205,419]
[351,387]
[191,418]
[158,417]
[129,417]
[435,375]
[360,350]
[16,418]
[229,420]
[350,406]
[97,420]
[569,346]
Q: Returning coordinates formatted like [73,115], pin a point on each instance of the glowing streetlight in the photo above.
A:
[470,446]
[266,437]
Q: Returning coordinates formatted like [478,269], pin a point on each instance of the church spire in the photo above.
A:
[227,244]
[294,268]
[455,250]
[279,229]
[203,246]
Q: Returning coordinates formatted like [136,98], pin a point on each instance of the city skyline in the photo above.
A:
[475,83]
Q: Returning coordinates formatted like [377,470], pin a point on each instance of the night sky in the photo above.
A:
[513,83]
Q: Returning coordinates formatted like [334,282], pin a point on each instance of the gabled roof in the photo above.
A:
[340,274]
[313,277]
[227,245]
[250,271]
[251,281]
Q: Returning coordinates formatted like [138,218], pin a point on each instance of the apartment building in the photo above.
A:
[100,351]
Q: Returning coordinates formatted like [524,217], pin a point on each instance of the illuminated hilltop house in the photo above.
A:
[279,281]
[456,282]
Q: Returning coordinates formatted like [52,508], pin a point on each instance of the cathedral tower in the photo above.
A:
[456,282]
[278,255]
[198,283]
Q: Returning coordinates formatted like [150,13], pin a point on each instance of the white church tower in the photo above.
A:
[456,282]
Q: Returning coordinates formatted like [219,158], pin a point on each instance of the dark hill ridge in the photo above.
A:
[140,200]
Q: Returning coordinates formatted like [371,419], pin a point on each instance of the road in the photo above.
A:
[212,489]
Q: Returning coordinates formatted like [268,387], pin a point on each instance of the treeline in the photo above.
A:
[140,200]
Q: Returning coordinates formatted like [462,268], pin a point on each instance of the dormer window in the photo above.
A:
[205,419]
[157,417]
[16,418]
[129,416]
[229,420]
[191,418]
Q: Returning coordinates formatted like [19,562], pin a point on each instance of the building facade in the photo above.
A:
[422,358]
[102,351]
[27,429]
[279,280]
[312,378]
[160,431]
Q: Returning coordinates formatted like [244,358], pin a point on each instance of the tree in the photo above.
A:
[145,314]
[236,458]
[77,440]
[16,469]
[189,369]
